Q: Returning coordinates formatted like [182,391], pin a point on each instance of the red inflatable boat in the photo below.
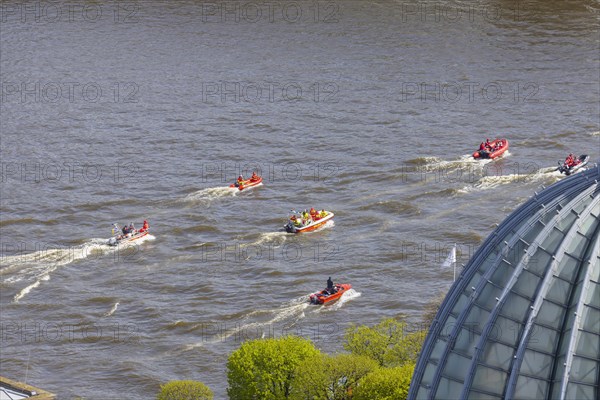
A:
[248,183]
[324,297]
[493,149]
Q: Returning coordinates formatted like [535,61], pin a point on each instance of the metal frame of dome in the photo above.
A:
[523,319]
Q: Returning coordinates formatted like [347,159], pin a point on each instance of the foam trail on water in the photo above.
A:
[37,266]
[26,290]
[548,175]
[210,194]
[269,237]
[328,224]
[41,262]
[292,311]
[112,310]
[466,160]
[346,297]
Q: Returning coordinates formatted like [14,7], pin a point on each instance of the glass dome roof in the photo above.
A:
[523,319]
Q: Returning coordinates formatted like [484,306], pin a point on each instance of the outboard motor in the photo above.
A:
[289,227]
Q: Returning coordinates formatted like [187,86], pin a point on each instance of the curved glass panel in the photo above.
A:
[542,271]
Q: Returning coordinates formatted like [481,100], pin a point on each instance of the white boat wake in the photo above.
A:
[466,160]
[27,289]
[290,313]
[38,265]
[210,194]
[46,259]
[346,297]
[276,238]
[547,175]
[112,310]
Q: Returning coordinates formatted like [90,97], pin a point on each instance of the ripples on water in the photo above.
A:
[394,166]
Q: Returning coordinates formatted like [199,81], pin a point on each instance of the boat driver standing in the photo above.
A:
[330,287]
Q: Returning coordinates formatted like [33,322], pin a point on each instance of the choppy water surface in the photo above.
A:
[148,110]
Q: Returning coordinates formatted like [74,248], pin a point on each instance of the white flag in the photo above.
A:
[451,259]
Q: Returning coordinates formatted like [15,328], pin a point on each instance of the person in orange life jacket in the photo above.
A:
[569,161]
[576,160]
[144,227]
[482,146]
[254,176]
[488,145]
[313,213]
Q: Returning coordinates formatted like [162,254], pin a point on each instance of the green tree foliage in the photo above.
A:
[390,342]
[264,368]
[327,377]
[385,384]
[185,390]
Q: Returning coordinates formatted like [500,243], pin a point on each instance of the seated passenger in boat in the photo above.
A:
[306,219]
[488,145]
[296,221]
[144,227]
[254,176]
[239,181]
[570,160]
